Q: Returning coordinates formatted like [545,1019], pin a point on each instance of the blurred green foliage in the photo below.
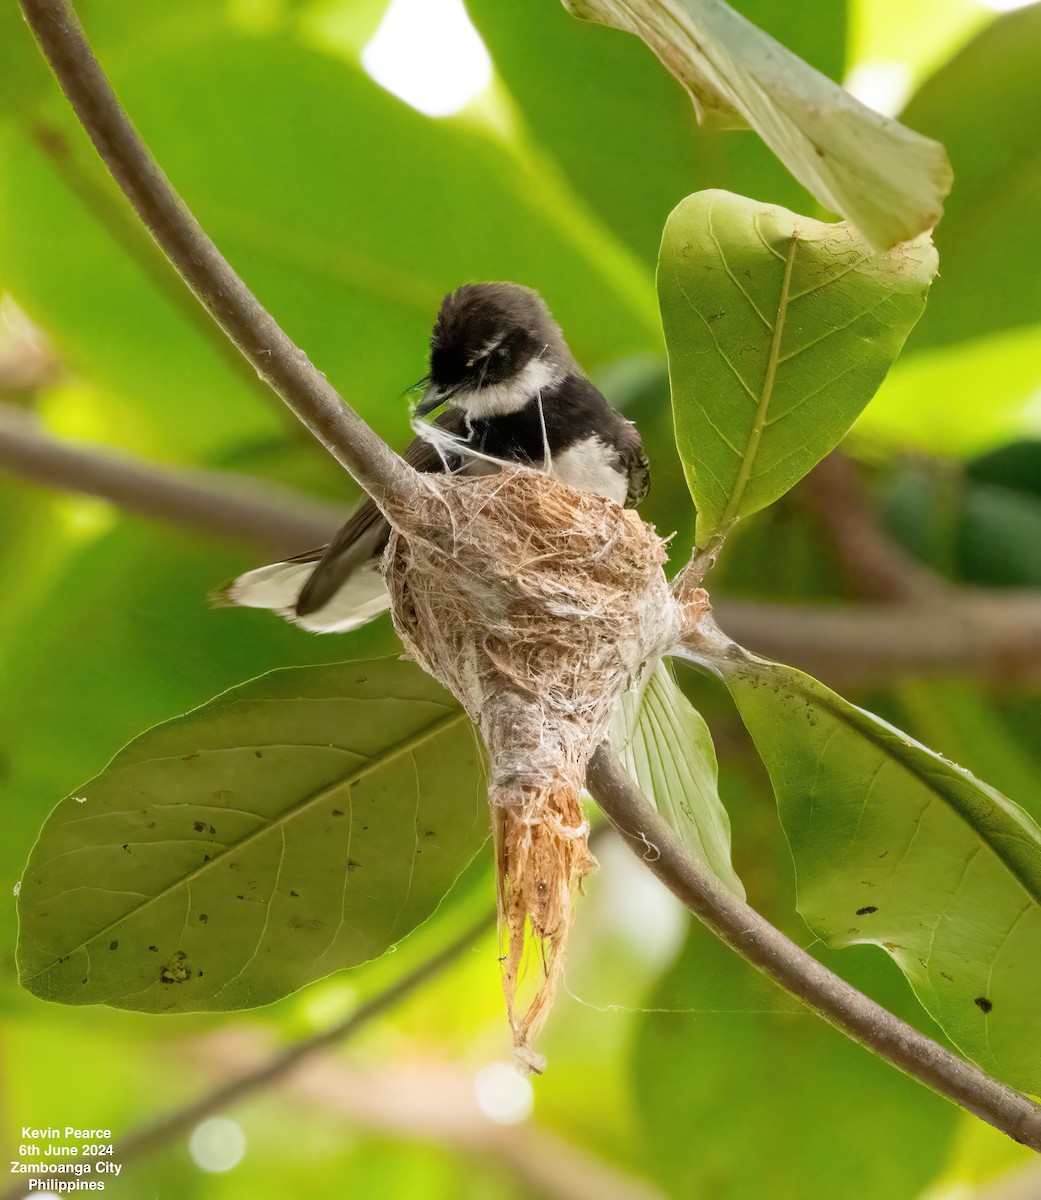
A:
[351,215]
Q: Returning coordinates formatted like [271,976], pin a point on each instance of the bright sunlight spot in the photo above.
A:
[427,53]
[217,1145]
[503,1094]
[1003,6]
[881,86]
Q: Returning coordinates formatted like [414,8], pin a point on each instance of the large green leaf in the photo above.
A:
[296,825]
[619,128]
[666,747]
[396,210]
[779,330]
[896,846]
[722,1052]
[885,178]
[990,231]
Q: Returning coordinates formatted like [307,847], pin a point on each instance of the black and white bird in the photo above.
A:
[510,392]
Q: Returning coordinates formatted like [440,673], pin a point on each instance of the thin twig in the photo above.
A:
[766,948]
[276,519]
[200,264]
[155,1134]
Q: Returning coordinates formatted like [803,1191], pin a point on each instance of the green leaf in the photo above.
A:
[296,825]
[396,211]
[617,126]
[721,1051]
[665,745]
[885,178]
[779,330]
[896,846]
[990,229]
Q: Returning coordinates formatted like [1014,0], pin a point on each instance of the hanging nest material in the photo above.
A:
[537,606]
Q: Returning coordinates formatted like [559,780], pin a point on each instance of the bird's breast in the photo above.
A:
[591,465]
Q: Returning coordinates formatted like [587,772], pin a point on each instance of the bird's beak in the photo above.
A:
[431,399]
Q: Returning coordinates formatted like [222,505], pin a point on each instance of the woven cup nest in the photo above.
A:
[537,606]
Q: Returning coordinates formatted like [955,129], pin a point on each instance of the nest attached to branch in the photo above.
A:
[537,606]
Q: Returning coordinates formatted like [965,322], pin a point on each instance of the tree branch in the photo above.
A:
[991,635]
[200,264]
[277,519]
[766,948]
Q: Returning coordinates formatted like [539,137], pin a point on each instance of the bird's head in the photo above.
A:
[493,348]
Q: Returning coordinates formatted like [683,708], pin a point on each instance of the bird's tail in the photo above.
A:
[276,587]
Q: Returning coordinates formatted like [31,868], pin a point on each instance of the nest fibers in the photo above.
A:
[537,606]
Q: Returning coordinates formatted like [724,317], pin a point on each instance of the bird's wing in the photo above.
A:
[366,531]
[637,466]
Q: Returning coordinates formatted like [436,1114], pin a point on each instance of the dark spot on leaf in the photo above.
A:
[240,896]
[868,908]
[198,826]
[200,974]
[352,865]
[234,866]
[154,949]
[949,978]
[126,847]
[189,757]
[113,945]
[203,918]
[311,923]
[337,812]
[259,754]
[294,893]
[205,858]
[715,316]
[983,1004]
[883,854]
[212,831]
[430,834]
[364,679]
[176,970]
[225,795]
[364,828]
[84,979]
[150,825]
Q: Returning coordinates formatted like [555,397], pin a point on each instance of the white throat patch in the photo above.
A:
[501,399]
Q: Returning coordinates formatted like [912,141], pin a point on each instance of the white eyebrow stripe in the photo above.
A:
[486,349]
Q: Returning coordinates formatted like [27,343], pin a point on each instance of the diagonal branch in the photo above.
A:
[201,265]
[766,948]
